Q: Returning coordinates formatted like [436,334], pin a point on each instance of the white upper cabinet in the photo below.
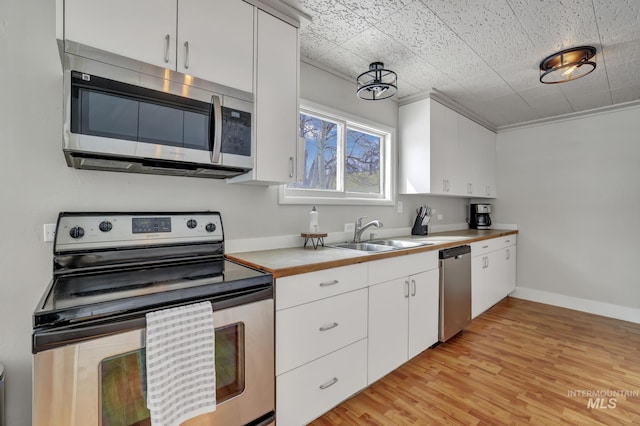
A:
[189,36]
[215,41]
[444,153]
[139,29]
[276,103]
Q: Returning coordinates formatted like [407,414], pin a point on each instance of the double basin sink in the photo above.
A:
[381,245]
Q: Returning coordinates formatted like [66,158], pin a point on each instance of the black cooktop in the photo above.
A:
[88,296]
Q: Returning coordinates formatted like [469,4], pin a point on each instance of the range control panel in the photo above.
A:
[86,231]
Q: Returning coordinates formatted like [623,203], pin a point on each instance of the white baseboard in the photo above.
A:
[624,313]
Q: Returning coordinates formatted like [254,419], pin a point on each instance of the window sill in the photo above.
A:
[339,201]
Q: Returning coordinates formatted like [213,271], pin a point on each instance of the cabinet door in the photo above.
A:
[276,100]
[388,330]
[423,311]
[479,297]
[495,277]
[510,273]
[139,29]
[486,163]
[444,150]
[219,34]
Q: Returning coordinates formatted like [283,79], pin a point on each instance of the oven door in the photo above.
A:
[101,381]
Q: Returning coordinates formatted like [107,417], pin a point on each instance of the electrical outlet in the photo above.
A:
[349,227]
[400,207]
[49,230]
[440,217]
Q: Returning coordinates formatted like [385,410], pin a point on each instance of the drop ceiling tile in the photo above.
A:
[591,83]
[618,21]
[312,45]
[586,101]
[374,11]
[417,28]
[543,94]
[345,62]
[557,25]
[424,76]
[626,94]
[490,28]
[373,45]
[406,89]
[486,85]
[621,74]
[552,108]
[507,110]
[335,22]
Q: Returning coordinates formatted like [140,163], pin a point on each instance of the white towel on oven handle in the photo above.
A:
[180,358]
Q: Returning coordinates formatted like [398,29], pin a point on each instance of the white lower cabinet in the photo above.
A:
[313,389]
[403,312]
[307,332]
[493,272]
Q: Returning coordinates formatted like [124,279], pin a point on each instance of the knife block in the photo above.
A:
[418,228]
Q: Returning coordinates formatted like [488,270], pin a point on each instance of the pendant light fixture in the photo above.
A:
[377,83]
[567,65]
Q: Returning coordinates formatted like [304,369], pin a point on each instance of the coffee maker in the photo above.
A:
[479,216]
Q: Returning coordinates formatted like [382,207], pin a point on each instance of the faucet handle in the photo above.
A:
[359,221]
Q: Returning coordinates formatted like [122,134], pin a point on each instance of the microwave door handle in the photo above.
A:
[215,129]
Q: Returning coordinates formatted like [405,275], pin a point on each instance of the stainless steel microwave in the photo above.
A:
[127,116]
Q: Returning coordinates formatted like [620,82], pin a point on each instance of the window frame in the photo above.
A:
[340,196]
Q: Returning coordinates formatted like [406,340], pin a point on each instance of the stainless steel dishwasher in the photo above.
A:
[455,291]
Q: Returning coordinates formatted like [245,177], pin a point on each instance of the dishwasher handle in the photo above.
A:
[455,252]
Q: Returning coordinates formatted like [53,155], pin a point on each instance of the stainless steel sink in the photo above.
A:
[363,247]
[400,244]
[381,245]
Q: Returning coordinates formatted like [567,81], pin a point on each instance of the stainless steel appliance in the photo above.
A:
[123,115]
[479,216]
[109,270]
[455,291]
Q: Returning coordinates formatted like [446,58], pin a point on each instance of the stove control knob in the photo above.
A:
[191,223]
[105,226]
[76,232]
[210,227]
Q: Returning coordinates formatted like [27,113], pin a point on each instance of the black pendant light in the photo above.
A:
[377,83]
[567,65]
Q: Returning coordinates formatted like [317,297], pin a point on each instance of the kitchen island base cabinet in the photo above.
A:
[311,390]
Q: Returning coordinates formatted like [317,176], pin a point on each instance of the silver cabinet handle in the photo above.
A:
[329,383]
[406,289]
[444,185]
[508,254]
[414,289]
[471,188]
[487,261]
[485,246]
[167,39]
[291,167]
[328,283]
[186,54]
[328,327]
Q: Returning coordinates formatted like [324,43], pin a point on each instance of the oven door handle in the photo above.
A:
[49,339]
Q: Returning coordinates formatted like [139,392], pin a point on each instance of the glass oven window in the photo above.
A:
[123,379]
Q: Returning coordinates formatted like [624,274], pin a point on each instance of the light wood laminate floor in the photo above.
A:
[518,363]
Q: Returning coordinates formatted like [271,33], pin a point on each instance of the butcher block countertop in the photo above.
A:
[298,260]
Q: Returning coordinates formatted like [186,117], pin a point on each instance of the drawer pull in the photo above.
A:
[328,283]
[328,327]
[485,246]
[508,241]
[329,383]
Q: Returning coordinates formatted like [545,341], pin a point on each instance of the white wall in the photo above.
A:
[36,184]
[573,188]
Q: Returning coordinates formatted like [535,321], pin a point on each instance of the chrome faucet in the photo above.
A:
[359,229]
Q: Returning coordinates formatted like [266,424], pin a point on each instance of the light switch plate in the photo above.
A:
[49,232]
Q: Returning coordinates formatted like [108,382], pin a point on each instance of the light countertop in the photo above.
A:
[298,260]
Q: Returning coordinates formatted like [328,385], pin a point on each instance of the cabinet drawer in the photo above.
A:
[401,266]
[309,331]
[480,248]
[313,389]
[303,288]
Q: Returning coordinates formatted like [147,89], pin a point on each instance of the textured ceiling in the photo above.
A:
[482,54]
